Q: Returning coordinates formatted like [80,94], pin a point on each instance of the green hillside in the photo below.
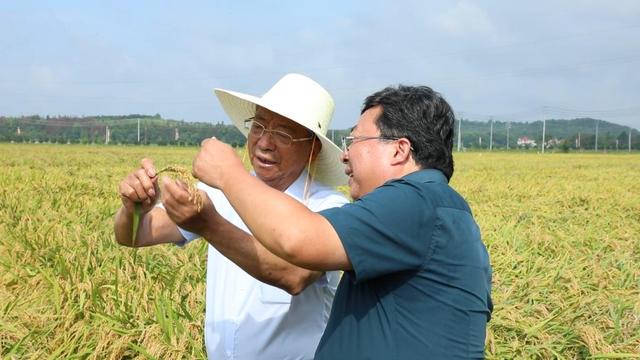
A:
[128,129]
[148,129]
[559,132]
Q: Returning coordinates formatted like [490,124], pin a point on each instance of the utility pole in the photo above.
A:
[491,136]
[459,132]
[579,141]
[508,128]
[544,129]
[107,135]
[596,135]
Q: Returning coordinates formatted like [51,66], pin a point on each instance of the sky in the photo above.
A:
[500,60]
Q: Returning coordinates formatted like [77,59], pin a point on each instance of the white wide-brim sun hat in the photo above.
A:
[301,100]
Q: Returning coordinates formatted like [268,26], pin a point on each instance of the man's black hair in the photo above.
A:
[421,115]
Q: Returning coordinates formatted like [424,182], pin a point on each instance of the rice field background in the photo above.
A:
[562,230]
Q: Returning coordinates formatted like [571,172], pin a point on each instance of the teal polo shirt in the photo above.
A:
[420,287]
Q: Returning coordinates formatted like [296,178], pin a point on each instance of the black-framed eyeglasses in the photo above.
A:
[348,140]
[281,138]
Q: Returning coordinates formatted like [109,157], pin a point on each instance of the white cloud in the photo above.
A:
[487,57]
[465,19]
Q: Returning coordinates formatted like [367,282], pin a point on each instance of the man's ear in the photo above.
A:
[402,151]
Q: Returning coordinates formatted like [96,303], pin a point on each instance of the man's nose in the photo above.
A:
[265,141]
[344,157]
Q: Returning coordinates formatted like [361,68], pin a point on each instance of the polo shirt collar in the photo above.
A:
[427,176]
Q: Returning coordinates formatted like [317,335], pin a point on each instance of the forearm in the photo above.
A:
[122,224]
[154,228]
[280,223]
[246,252]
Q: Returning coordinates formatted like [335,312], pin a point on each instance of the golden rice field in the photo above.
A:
[563,232]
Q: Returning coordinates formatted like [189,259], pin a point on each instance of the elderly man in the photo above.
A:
[417,276]
[246,318]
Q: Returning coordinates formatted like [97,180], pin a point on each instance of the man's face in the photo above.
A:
[366,160]
[279,166]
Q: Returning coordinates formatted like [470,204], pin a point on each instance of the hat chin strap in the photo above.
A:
[310,173]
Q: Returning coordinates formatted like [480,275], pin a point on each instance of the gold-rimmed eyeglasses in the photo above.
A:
[281,138]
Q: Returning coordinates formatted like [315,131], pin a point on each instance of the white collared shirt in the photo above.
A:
[248,319]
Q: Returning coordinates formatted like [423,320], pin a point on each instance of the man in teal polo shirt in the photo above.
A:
[417,281]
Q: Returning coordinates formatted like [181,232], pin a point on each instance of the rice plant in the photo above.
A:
[562,231]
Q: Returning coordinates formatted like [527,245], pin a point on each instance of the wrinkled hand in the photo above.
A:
[215,163]
[181,210]
[140,186]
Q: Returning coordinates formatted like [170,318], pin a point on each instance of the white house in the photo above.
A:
[526,142]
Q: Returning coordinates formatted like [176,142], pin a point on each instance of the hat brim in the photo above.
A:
[329,169]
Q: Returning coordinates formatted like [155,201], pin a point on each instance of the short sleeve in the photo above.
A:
[387,231]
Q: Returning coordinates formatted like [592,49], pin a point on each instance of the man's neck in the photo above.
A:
[407,169]
[282,185]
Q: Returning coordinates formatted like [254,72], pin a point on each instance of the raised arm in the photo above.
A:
[283,225]
[234,243]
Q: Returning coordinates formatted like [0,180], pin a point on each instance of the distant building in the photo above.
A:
[526,142]
[553,143]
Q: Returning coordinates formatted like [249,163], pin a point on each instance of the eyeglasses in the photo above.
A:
[281,138]
[348,140]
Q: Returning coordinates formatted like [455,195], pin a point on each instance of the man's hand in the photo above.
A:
[141,187]
[182,211]
[215,163]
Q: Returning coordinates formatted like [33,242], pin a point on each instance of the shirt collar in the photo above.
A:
[427,176]
[296,189]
